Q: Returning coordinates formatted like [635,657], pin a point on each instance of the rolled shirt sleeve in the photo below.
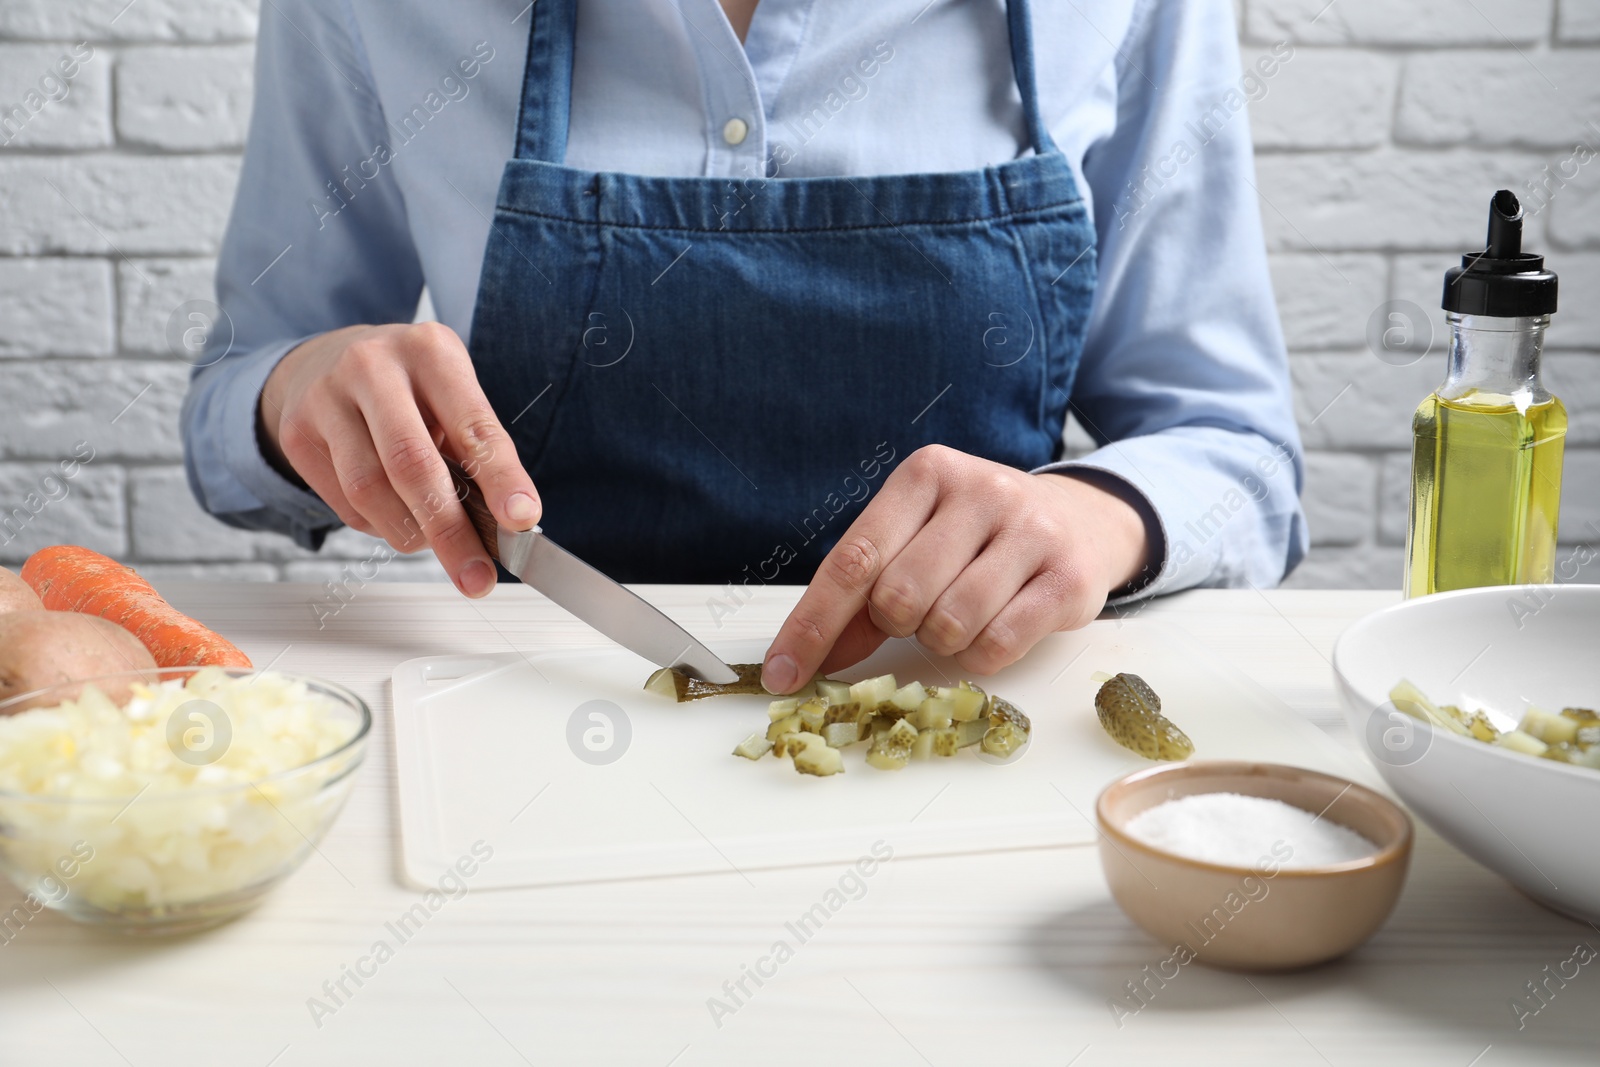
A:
[315,242]
[1184,381]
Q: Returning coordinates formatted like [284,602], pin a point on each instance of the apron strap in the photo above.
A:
[1020,21]
[547,81]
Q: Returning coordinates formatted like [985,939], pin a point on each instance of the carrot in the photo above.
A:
[70,578]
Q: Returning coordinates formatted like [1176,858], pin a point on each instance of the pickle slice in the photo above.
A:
[680,687]
[1130,712]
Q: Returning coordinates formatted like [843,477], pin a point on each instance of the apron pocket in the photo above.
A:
[528,344]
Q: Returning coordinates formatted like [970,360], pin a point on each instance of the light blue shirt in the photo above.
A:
[380,130]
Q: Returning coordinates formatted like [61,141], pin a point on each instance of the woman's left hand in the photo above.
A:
[977,559]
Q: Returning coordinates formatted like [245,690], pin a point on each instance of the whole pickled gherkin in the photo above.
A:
[1130,712]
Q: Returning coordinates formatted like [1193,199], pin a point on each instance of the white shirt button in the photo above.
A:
[735,131]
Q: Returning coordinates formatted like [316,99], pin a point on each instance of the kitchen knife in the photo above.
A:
[616,611]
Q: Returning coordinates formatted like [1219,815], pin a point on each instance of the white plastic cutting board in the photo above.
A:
[482,753]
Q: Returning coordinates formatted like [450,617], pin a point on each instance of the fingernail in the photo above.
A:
[521,509]
[780,674]
[477,578]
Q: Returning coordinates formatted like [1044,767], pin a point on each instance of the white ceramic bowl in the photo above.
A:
[1531,820]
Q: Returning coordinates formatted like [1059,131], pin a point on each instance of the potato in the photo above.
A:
[15,594]
[46,648]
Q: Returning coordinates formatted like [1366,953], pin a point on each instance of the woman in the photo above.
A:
[796,291]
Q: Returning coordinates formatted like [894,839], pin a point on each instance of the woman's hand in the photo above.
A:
[977,559]
[362,414]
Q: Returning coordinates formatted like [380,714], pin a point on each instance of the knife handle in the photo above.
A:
[477,508]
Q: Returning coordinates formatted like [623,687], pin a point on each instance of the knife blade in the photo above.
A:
[610,607]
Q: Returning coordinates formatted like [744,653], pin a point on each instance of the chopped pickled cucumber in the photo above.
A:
[909,697]
[812,755]
[966,703]
[1571,737]
[841,734]
[901,722]
[782,707]
[833,692]
[1563,752]
[1008,731]
[891,750]
[813,714]
[1003,741]
[1411,700]
[1551,729]
[1130,712]
[1519,741]
[970,732]
[934,713]
[820,761]
[753,747]
[937,741]
[874,692]
[849,711]
[1002,712]
[1481,728]
[789,724]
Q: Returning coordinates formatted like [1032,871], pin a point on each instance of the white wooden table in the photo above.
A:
[1004,959]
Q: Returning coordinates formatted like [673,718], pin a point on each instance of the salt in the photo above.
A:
[1243,831]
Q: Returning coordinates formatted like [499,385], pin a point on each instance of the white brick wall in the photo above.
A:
[1378,146]
[193,98]
[112,201]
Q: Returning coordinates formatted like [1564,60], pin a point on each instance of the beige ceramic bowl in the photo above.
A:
[1263,917]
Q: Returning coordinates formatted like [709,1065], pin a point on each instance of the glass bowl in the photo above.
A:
[175,857]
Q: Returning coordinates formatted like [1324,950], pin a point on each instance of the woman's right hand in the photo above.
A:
[362,415]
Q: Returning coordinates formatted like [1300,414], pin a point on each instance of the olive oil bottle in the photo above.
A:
[1487,444]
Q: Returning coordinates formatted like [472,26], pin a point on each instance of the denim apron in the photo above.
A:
[708,378]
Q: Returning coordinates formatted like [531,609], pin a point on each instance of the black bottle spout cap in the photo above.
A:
[1502,281]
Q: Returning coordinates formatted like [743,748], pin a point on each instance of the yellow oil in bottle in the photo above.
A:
[1485,492]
